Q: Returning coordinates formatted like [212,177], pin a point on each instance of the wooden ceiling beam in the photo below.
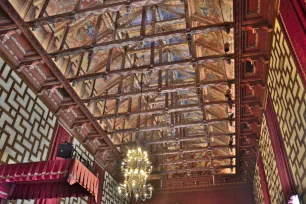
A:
[7,25]
[179,99]
[198,179]
[187,138]
[150,25]
[145,68]
[161,111]
[86,12]
[169,126]
[164,46]
[168,163]
[189,150]
[156,90]
[135,40]
[169,139]
[196,169]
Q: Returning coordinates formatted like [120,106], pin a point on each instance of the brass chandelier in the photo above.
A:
[136,168]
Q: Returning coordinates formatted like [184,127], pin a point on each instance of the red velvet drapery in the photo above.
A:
[48,179]
[286,178]
[292,14]
[61,136]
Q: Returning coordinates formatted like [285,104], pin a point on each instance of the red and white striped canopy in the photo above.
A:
[47,179]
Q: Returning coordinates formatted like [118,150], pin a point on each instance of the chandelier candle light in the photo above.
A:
[136,168]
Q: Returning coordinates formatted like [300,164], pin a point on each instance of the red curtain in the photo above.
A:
[48,201]
[61,136]
[292,14]
[263,181]
[49,179]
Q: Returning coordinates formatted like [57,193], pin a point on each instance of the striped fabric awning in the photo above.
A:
[47,179]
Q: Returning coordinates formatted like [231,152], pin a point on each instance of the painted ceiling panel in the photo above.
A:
[161,75]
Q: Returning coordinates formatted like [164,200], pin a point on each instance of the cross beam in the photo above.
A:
[170,139]
[134,40]
[189,150]
[150,25]
[86,12]
[157,90]
[167,126]
[197,169]
[158,111]
[168,163]
[187,138]
[152,67]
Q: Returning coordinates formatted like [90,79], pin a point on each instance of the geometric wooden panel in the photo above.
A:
[74,200]
[79,148]
[20,201]
[269,163]
[257,190]
[110,191]
[26,124]
[289,100]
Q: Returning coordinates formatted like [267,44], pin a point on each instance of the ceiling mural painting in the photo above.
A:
[160,73]
[170,86]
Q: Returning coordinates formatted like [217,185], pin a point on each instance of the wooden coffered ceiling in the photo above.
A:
[153,72]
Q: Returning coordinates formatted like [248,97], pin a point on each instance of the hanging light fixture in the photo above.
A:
[136,168]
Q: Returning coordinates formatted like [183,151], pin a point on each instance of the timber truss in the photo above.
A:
[157,73]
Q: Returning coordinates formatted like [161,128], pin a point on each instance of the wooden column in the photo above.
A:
[282,163]
[263,181]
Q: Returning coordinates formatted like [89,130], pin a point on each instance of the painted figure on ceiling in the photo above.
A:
[59,6]
[200,164]
[199,155]
[209,8]
[81,34]
[173,167]
[211,76]
[86,32]
[62,6]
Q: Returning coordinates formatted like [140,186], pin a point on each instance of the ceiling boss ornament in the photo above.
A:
[136,168]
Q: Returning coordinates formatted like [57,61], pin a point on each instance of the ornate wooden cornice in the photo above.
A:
[8,8]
